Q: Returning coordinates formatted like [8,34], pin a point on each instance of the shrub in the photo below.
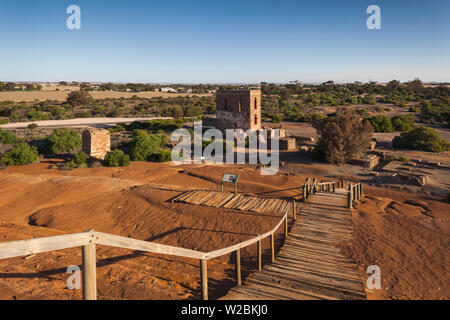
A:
[163,156]
[381,123]
[144,146]
[117,128]
[414,109]
[32,126]
[140,132]
[277,118]
[421,138]
[80,160]
[7,137]
[78,98]
[343,137]
[62,140]
[116,158]
[20,154]
[403,122]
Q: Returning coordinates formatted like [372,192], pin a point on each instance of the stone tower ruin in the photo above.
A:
[238,109]
[96,143]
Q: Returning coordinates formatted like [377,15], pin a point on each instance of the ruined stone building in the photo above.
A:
[96,143]
[238,109]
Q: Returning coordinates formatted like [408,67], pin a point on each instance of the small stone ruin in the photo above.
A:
[96,143]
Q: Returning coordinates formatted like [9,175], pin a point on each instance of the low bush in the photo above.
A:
[20,154]
[8,137]
[79,161]
[163,156]
[403,122]
[116,158]
[421,138]
[32,126]
[381,123]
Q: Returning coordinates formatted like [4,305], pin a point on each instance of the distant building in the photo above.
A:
[167,89]
[238,109]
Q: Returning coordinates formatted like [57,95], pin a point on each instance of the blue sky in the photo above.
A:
[224,41]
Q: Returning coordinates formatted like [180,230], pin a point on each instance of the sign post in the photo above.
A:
[230,178]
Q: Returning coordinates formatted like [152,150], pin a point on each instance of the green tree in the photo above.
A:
[20,154]
[403,122]
[62,140]
[144,146]
[421,138]
[8,137]
[381,123]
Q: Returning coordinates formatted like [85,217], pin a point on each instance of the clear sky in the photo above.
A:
[232,41]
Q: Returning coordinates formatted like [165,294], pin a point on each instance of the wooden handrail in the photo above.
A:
[308,189]
[224,251]
[90,238]
[355,193]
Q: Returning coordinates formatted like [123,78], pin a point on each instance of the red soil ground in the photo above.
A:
[405,234]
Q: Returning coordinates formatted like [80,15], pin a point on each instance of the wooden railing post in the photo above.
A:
[272,248]
[238,267]
[362,191]
[89,272]
[349,196]
[334,187]
[286,227]
[304,193]
[204,278]
[259,255]
[294,204]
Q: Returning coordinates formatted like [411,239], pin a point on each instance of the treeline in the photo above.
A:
[80,104]
[11,86]
[294,101]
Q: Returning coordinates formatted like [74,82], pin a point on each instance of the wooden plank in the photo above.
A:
[214,198]
[190,196]
[257,204]
[250,204]
[19,248]
[181,197]
[134,244]
[233,200]
[225,200]
[199,197]
[334,288]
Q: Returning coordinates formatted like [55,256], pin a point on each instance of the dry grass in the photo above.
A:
[49,92]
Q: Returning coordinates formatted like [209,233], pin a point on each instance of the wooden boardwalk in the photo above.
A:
[238,202]
[309,265]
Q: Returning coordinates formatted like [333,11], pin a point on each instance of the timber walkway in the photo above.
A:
[309,265]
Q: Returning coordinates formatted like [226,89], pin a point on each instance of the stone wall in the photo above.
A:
[238,109]
[96,143]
